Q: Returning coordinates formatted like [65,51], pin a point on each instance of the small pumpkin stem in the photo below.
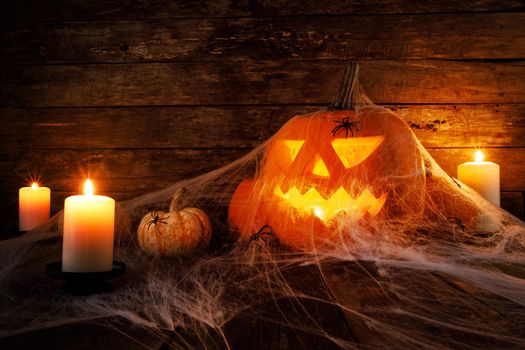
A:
[174,206]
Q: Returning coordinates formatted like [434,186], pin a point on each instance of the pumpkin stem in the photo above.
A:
[347,87]
[176,199]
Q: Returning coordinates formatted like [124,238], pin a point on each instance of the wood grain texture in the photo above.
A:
[273,325]
[473,36]
[483,125]
[135,171]
[358,298]
[314,7]
[121,335]
[143,127]
[65,10]
[372,306]
[46,10]
[139,94]
[258,82]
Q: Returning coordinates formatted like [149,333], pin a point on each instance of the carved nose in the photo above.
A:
[319,167]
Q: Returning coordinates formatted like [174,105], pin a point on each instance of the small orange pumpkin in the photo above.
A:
[177,232]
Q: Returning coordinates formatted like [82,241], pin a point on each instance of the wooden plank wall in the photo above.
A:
[140,94]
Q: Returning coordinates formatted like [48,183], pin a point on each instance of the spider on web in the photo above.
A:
[264,230]
[348,125]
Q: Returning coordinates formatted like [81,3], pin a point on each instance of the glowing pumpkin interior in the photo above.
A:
[350,152]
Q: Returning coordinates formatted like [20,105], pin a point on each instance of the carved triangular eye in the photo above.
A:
[287,151]
[293,146]
[353,151]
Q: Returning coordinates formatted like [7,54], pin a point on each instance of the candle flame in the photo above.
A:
[319,213]
[88,188]
[478,156]
[34,185]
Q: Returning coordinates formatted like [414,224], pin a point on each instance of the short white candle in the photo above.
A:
[89,222]
[482,177]
[33,206]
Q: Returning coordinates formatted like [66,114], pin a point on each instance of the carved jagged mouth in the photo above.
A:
[311,202]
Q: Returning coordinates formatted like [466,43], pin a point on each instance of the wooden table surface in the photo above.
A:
[352,285]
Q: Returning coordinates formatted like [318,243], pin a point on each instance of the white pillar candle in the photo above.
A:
[33,206]
[482,177]
[89,222]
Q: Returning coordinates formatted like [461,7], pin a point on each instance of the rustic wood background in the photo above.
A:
[140,94]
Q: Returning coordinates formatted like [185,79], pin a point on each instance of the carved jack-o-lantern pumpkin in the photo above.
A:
[327,171]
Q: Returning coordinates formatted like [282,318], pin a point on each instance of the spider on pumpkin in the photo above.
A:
[155,220]
[457,222]
[346,124]
[264,230]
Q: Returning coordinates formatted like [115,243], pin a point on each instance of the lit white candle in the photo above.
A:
[482,177]
[89,222]
[33,206]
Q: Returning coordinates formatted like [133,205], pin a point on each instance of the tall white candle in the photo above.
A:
[89,222]
[481,176]
[33,206]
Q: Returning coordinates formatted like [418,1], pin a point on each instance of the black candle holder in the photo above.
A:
[85,283]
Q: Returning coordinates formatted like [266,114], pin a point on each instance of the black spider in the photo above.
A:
[457,222]
[155,220]
[346,124]
[264,230]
